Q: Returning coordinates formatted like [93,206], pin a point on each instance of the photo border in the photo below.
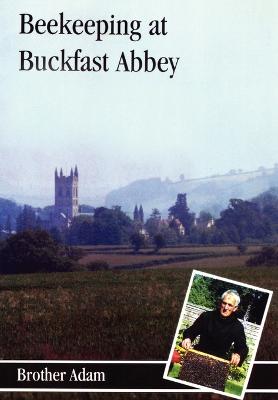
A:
[193,274]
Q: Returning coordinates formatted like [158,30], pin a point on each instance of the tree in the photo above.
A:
[84,208]
[268,205]
[182,178]
[159,242]
[80,231]
[268,255]
[200,293]
[56,235]
[242,249]
[136,214]
[8,225]
[155,214]
[170,235]
[26,219]
[181,211]
[243,220]
[107,226]
[153,224]
[11,209]
[39,223]
[205,217]
[111,226]
[137,241]
[32,251]
[219,236]
[141,214]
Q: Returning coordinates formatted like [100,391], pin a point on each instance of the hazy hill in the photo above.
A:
[210,193]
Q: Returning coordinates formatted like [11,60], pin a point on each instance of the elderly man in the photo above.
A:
[219,330]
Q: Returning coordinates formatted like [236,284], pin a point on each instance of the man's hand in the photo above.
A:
[235,359]
[186,343]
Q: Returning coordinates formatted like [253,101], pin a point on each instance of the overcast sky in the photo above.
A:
[217,113]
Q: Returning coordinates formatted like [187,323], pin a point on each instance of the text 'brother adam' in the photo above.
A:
[47,375]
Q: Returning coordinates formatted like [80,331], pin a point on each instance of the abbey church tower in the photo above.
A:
[66,194]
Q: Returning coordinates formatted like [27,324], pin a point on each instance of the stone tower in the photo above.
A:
[66,194]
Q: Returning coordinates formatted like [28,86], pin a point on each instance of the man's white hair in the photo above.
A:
[231,292]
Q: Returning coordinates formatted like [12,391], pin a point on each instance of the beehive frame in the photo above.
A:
[204,369]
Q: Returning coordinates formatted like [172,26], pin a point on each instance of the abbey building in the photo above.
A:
[66,197]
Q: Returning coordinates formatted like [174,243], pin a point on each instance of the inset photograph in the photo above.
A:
[218,334]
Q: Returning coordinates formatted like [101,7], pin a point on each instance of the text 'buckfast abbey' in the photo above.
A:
[66,197]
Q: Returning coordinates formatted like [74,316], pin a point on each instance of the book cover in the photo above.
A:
[115,114]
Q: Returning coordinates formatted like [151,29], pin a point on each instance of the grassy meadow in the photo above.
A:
[119,314]
[123,256]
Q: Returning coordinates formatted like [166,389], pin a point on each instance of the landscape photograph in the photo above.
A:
[117,182]
[204,362]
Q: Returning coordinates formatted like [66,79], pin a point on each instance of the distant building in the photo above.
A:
[210,223]
[175,224]
[144,233]
[204,224]
[66,197]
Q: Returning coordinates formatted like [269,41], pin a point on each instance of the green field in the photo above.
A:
[115,314]
[179,256]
